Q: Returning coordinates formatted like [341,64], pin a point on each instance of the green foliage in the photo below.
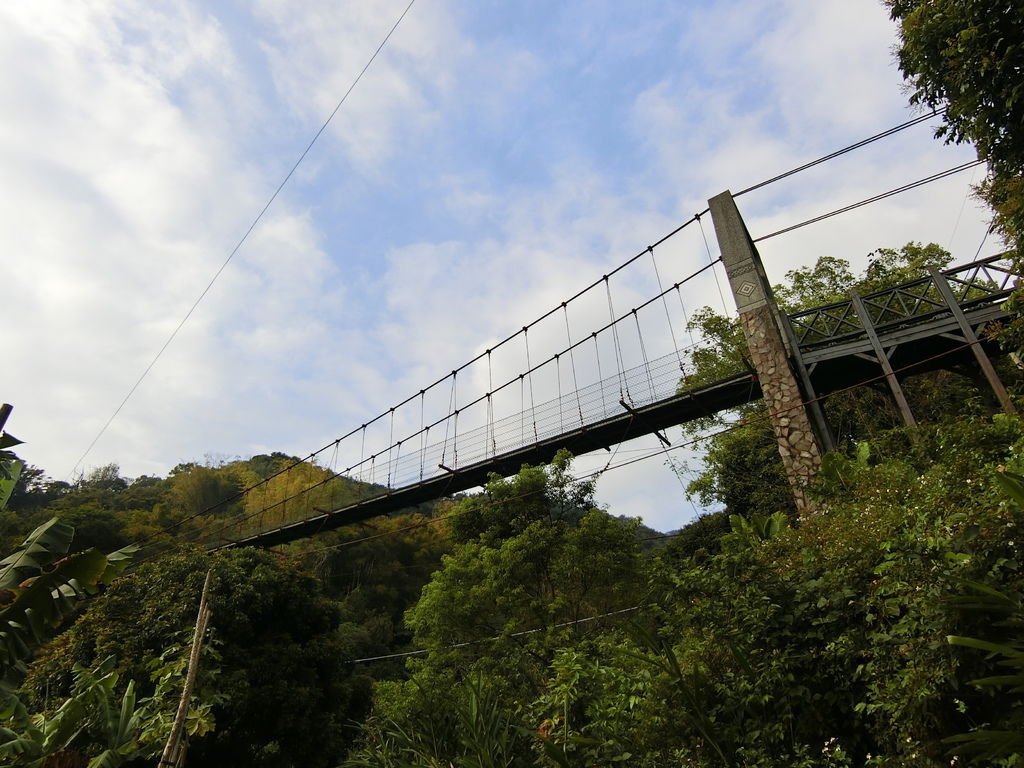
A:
[722,354]
[277,639]
[196,489]
[105,478]
[817,645]
[34,490]
[107,510]
[839,471]
[830,280]
[293,491]
[967,55]
[599,705]
[539,559]
[827,281]
[353,607]
[376,571]
[11,468]
[11,473]
[167,674]
[93,727]
[509,507]
[834,629]
[1002,740]
[533,558]
[890,266]
[90,713]
[699,538]
[471,731]
[742,469]
[8,460]
[749,532]
[40,590]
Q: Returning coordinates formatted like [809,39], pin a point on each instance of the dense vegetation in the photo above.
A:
[526,626]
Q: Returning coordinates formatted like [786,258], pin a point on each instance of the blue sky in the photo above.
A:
[495,158]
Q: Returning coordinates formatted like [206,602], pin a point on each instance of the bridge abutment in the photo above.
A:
[797,420]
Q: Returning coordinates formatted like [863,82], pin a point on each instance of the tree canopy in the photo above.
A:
[968,57]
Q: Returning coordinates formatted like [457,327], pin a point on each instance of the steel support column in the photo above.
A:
[883,359]
[971,338]
[817,411]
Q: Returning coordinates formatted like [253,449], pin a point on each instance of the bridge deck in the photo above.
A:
[611,431]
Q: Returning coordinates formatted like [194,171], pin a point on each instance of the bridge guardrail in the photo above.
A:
[986,281]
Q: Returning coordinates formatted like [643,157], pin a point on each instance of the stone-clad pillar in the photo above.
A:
[759,318]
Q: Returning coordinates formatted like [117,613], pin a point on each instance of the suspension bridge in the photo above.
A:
[602,387]
[586,376]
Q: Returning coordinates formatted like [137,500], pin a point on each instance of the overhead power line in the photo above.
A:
[495,638]
[242,240]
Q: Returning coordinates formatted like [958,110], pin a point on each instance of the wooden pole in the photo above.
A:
[173,752]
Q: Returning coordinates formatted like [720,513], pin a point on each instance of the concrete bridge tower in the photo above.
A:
[800,428]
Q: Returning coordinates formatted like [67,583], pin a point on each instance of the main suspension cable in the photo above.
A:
[838,153]
[875,198]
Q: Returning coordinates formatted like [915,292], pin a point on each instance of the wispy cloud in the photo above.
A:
[315,54]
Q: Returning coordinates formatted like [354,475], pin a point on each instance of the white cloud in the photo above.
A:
[790,82]
[316,52]
[122,201]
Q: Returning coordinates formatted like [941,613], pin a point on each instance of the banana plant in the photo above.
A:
[41,588]
[91,714]
[94,719]
[10,465]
